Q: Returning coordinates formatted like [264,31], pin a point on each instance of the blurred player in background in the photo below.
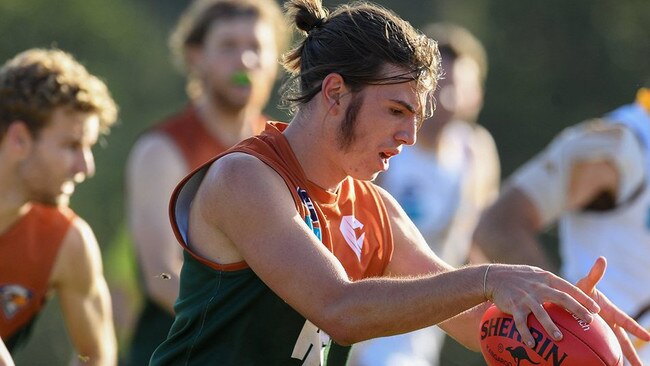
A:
[52,112]
[287,242]
[229,50]
[594,180]
[5,357]
[443,181]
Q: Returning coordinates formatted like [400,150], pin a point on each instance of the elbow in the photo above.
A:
[342,330]
[472,344]
[348,324]
[344,337]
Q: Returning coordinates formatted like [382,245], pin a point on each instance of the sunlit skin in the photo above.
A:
[387,120]
[60,156]
[236,51]
[235,66]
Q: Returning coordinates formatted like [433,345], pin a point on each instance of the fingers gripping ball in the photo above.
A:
[582,344]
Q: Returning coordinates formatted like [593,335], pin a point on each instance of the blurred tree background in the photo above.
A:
[552,64]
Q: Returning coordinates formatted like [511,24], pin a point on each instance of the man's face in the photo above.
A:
[459,94]
[238,62]
[60,157]
[384,117]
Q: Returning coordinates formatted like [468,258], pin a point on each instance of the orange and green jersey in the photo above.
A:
[28,251]
[196,145]
[226,315]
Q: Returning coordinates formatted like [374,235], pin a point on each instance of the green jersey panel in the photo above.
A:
[232,318]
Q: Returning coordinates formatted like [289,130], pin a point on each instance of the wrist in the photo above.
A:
[487,293]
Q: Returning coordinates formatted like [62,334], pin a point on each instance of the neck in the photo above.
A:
[313,145]
[12,202]
[228,126]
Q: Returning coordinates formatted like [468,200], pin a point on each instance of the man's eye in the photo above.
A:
[396,111]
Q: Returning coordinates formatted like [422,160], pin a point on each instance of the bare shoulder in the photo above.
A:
[239,172]
[238,192]
[241,182]
[79,259]
[390,202]
[400,222]
[596,128]
[154,153]
[483,137]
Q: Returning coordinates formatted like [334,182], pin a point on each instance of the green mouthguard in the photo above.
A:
[240,79]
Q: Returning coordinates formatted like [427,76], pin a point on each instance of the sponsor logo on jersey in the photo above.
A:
[348,226]
[13,298]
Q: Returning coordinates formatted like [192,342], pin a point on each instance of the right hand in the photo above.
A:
[615,317]
[521,290]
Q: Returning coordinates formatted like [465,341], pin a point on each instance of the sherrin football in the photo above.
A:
[582,344]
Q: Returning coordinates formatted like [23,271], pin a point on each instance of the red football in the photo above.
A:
[582,344]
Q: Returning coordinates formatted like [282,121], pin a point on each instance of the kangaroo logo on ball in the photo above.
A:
[518,354]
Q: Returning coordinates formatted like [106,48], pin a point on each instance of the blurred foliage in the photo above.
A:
[552,64]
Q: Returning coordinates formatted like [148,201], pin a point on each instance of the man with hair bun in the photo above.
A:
[52,111]
[229,50]
[291,249]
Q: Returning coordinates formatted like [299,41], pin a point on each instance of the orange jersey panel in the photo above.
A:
[353,224]
[28,250]
[194,141]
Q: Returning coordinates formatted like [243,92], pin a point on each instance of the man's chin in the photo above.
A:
[236,99]
[61,200]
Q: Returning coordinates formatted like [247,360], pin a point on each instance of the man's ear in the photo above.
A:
[18,139]
[192,56]
[333,89]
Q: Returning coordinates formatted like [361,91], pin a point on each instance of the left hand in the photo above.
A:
[615,318]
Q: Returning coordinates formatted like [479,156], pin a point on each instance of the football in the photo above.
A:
[582,344]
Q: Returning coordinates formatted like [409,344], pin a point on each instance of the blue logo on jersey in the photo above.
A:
[312,218]
[13,298]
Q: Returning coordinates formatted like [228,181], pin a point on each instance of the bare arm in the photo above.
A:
[581,164]
[507,231]
[84,297]
[5,357]
[297,267]
[154,168]
[620,322]
[515,289]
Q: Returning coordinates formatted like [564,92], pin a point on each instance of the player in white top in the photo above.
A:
[442,182]
[594,180]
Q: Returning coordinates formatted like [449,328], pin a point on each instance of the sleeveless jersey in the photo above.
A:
[226,315]
[197,146]
[193,140]
[28,250]
[622,234]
